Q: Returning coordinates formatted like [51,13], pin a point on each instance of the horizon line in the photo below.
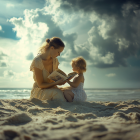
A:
[84,88]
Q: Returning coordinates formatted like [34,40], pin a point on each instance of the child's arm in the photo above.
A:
[70,78]
[76,82]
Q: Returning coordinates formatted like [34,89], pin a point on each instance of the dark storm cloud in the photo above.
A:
[122,37]
[55,31]
[83,50]
[30,56]
[110,45]
[109,7]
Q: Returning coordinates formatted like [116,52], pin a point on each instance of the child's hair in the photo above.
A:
[56,42]
[79,62]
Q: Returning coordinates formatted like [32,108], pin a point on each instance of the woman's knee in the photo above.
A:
[59,95]
[58,91]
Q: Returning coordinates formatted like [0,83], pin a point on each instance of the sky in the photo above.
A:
[105,32]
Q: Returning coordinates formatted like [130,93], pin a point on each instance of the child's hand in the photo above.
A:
[67,80]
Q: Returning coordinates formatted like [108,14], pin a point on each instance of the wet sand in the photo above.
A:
[23,119]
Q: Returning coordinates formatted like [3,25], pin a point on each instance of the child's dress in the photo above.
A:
[79,92]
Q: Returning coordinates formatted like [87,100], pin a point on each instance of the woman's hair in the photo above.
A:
[79,62]
[56,42]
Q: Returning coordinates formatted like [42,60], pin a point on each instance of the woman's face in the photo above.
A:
[56,52]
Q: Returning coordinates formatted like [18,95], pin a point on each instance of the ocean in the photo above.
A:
[92,94]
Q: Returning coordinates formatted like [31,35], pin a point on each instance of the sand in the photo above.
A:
[23,119]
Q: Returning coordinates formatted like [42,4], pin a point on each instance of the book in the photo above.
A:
[59,74]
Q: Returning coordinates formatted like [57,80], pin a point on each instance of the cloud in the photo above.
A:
[112,41]
[1,29]
[9,53]
[103,48]
[121,39]
[9,73]
[17,76]
[113,38]
[30,56]
[9,5]
[83,50]
[111,75]
[35,28]
[2,55]
[105,34]
[29,32]
[9,9]
[101,7]
[3,64]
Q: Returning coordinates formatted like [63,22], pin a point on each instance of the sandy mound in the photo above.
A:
[54,120]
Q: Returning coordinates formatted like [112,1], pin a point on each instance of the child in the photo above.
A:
[76,92]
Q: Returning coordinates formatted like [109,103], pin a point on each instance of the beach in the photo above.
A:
[25,119]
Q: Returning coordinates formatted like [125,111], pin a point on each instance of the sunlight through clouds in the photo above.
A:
[105,39]
[9,5]
[18,76]
[0,28]
[30,33]
[111,75]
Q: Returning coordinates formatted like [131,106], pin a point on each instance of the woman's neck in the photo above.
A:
[46,56]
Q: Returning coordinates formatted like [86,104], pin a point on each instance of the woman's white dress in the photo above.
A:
[49,93]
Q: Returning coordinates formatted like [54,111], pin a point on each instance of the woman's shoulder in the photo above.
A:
[36,63]
[37,58]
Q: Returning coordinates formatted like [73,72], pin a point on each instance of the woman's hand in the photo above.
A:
[62,83]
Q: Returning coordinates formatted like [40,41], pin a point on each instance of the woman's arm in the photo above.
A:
[76,82]
[40,81]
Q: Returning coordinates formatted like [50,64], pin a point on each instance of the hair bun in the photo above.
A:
[48,40]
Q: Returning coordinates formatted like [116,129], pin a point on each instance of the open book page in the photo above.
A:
[55,76]
[59,74]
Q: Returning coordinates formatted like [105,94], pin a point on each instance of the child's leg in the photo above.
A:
[68,95]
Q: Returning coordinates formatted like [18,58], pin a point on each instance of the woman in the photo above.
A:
[42,66]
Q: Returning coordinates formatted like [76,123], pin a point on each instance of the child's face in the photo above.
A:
[74,68]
